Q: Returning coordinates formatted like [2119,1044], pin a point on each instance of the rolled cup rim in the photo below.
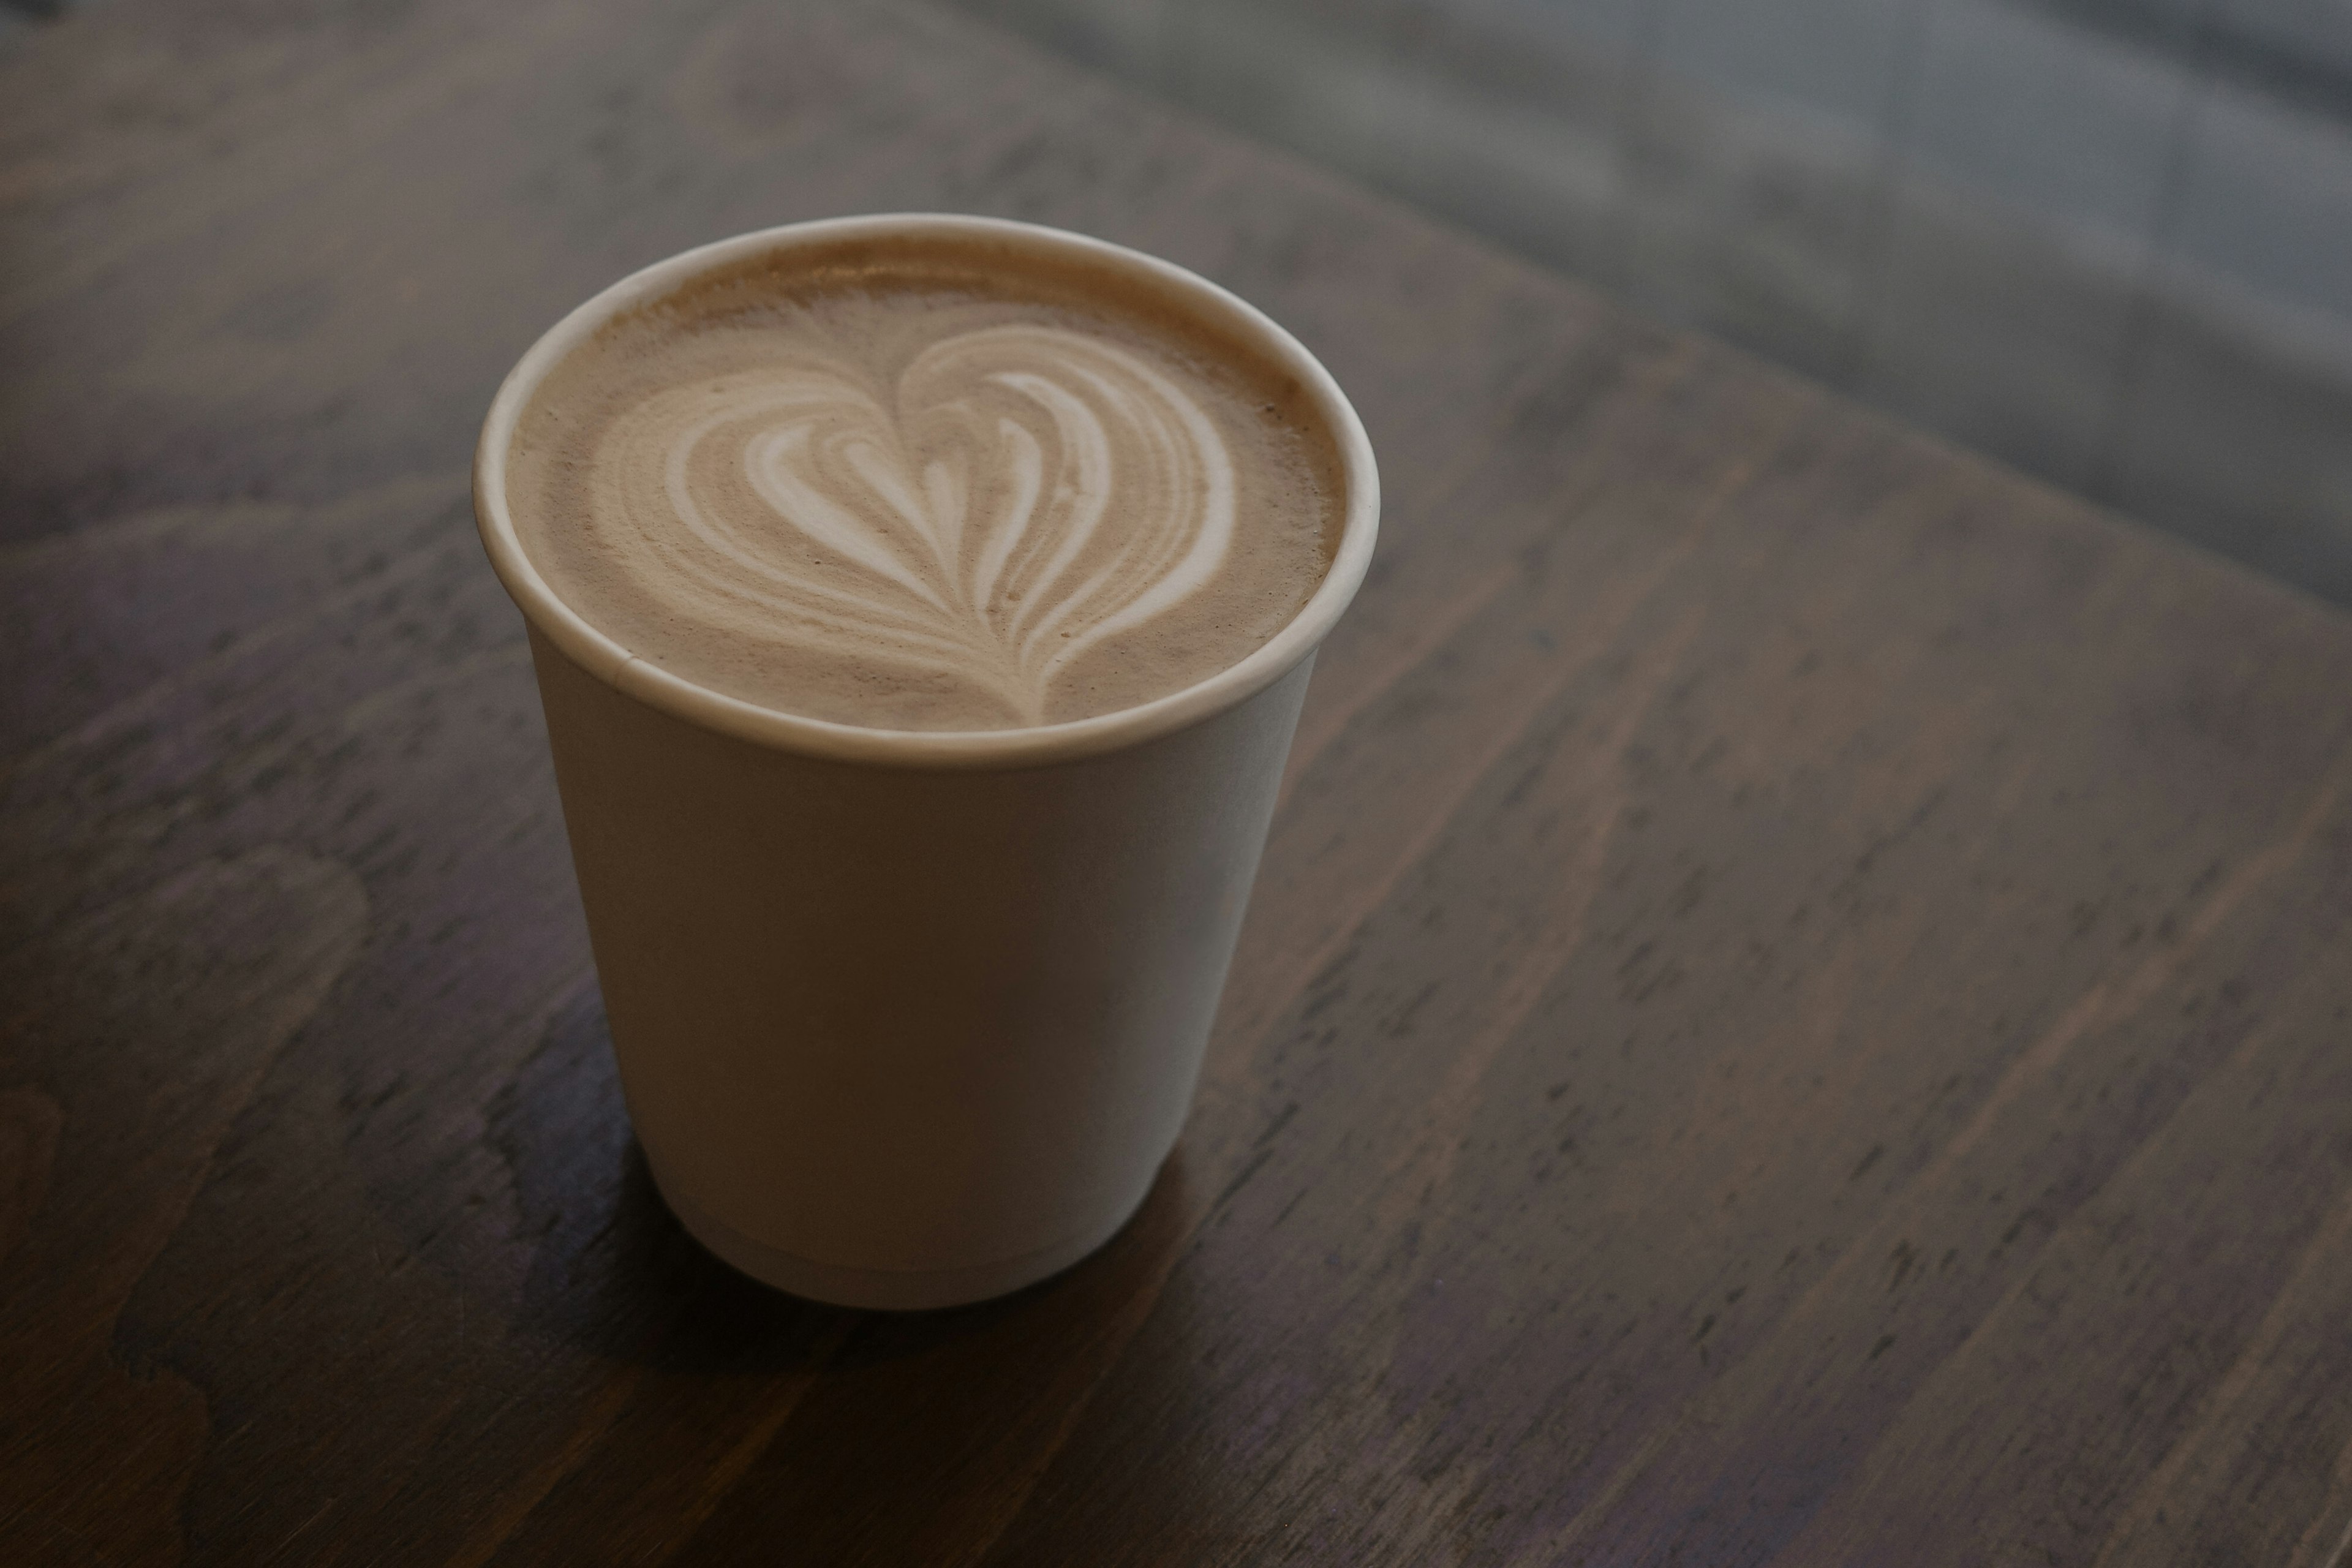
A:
[607,659]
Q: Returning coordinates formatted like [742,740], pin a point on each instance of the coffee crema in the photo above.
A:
[927,485]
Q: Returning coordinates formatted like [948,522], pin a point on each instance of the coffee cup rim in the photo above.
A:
[604,657]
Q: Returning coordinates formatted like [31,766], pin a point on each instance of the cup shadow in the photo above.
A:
[984,1433]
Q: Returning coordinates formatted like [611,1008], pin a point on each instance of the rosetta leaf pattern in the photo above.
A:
[1020,495]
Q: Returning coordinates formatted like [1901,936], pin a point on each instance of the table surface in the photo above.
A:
[1799,1008]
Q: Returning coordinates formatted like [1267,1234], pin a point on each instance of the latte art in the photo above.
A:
[911,503]
[1025,493]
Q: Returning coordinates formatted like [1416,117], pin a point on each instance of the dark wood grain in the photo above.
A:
[1799,1010]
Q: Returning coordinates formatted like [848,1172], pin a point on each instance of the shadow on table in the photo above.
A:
[734,1416]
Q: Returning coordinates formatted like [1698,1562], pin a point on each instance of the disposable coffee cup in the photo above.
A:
[909,1019]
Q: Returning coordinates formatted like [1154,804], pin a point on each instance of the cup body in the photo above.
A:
[897,1037]
[908,1020]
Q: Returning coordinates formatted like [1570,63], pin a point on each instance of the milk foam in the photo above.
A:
[923,510]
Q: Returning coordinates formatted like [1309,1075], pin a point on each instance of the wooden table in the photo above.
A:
[1798,1009]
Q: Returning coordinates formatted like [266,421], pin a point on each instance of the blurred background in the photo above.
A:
[2108,241]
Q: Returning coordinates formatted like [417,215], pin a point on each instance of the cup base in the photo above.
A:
[882,1289]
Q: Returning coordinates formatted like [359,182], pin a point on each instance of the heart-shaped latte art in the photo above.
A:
[1023,493]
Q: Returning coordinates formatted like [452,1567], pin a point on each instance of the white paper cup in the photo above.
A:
[910,1019]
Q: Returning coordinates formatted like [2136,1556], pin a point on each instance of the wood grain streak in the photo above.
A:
[2309,1551]
[728,1473]
[1748,1388]
[520,1501]
[2230,1414]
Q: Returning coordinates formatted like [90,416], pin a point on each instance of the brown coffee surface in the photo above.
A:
[934,485]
